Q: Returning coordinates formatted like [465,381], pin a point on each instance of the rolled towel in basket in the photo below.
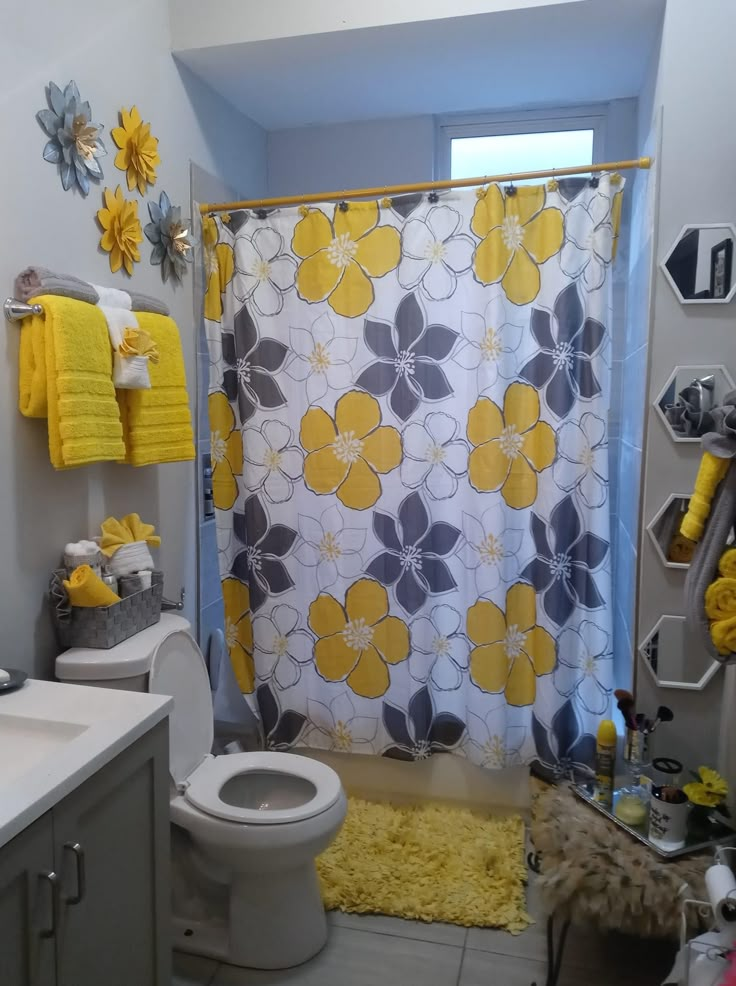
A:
[720,599]
[723,635]
[86,589]
[727,563]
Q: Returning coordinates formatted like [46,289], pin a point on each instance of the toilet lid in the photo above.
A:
[178,669]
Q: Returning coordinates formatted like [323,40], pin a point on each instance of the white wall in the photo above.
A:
[119,55]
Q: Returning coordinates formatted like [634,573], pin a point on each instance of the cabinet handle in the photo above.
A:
[53,881]
[75,848]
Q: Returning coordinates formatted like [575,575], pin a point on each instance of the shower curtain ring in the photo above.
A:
[510,190]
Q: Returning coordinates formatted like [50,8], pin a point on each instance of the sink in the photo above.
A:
[25,741]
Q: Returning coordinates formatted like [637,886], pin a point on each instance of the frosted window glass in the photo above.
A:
[505,153]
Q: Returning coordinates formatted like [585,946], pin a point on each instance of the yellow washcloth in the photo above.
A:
[157,423]
[727,563]
[66,375]
[116,533]
[720,599]
[711,472]
[84,588]
[723,635]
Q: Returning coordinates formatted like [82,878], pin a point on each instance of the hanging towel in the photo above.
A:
[66,376]
[157,423]
[128,372]
[34,281]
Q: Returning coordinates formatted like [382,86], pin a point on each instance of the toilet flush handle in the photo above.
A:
[167,604]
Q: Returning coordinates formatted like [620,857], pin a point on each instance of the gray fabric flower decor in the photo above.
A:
[74,139]
[172,239]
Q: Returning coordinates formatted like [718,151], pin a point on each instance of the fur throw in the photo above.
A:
[592,871]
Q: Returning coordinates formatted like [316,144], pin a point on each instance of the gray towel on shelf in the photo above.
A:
[704,566]
[34,281]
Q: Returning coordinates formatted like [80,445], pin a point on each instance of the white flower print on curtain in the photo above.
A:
[409,406]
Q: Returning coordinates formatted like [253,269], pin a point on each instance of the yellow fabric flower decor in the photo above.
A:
[710,791]
[219,266]
[138,155]
[511,650]
[122,230]
[347,452]
[510,446]
[358,641]
[517,235]
[239,632]
[226,447]
[341,256]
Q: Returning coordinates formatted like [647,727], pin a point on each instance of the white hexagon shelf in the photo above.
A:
[695,389]
[675,657]
[699,264]
[674,550]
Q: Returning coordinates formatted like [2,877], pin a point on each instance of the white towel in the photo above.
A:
[130,558]
[128,372]
[113,297]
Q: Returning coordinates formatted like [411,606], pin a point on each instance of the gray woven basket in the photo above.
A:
[105,626]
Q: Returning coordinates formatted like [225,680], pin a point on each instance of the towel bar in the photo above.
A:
[15,310]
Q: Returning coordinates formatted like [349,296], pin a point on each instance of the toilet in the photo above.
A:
[256,821]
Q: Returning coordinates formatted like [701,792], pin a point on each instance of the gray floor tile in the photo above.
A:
[442,934]
[360,958]
[192,970]
[484,969]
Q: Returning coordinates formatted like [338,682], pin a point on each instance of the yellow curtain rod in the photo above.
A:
[422,186]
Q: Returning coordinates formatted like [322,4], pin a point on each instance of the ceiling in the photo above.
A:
[584,52]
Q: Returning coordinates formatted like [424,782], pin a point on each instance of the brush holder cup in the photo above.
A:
[668,815]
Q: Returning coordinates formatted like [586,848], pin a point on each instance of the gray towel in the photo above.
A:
[34,281]
[704,566]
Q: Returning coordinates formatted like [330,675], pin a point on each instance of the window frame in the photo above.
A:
[592,117]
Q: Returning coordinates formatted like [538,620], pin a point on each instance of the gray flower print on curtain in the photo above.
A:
[260,565]
[567,339]
[433,253]
[561,571]
[409,353]
[415,547]
[250,361]
[419,731]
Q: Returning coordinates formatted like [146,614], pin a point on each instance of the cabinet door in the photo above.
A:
[28,908]
[111,843]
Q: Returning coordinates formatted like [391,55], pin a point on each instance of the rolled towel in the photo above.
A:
[85,589]
[130,558]
[710,473]
[720,599]
[727,563]
[723,635]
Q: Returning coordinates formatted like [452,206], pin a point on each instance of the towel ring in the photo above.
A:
[15,310]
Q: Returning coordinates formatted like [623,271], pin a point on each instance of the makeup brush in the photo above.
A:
[627,707]
[664,714]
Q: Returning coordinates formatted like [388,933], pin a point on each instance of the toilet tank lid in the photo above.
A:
[126,660]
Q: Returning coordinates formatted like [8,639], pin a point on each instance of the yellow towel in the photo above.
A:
[116,533]
[727,564]
[84,588]
[710,473]
[157,423]
[723,635]
[720,599]
[66,375]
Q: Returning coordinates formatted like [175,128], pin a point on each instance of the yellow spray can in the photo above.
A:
[605,762]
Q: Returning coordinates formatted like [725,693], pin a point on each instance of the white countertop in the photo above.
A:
[54,736]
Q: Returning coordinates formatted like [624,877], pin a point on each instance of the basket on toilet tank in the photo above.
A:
[106,626]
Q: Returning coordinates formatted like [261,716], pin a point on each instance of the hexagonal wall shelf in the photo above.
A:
[699,264]
[686,398]
[674,550]
[675,657]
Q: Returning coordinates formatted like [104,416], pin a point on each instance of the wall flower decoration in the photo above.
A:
[171,237]
[138,155]
[122,230]
[74,138]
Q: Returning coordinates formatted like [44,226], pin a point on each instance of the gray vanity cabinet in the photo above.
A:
[107,844]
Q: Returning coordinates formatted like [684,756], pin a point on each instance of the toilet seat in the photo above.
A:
[205,785]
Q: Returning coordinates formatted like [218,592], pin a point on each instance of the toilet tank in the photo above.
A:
[124,666]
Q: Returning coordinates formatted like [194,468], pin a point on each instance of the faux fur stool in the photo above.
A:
[594,872]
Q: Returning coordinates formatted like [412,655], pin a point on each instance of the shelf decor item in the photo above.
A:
[121,230]
[74,138]
[171,237]
[138,156]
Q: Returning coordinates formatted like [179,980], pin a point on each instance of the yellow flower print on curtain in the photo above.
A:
[358,641]
[226,449]
[517,235]
[219,267]
[239,632]
[347,452]
[340,257]
[510,651]
[510,446]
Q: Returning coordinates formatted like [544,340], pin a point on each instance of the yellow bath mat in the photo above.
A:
[428,863]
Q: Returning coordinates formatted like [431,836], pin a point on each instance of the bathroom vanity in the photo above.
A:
[84,837]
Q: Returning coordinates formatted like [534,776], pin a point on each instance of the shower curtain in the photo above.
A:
[408,405]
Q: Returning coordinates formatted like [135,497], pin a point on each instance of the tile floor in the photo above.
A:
[371,950]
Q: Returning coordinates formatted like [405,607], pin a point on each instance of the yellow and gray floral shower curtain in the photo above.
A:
[408,405]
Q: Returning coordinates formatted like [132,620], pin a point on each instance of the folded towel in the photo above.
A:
[34,281]
[723,635]
[727,563]
[66,375]
[86,589]
[112,297]
[130,558]
[157,423]
[720,599]
[129,372]
[116,533]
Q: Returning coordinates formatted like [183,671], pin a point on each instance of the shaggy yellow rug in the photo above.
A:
[429,863]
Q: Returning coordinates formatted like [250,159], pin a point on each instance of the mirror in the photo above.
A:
[676,657]
[674,550]
[699,264]
[688,396]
